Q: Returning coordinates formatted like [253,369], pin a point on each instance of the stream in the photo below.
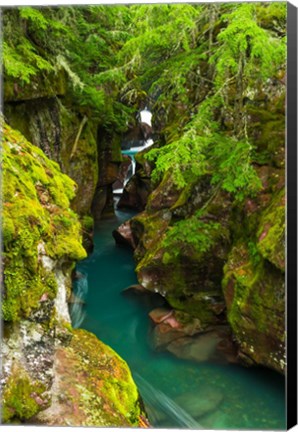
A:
[176,393]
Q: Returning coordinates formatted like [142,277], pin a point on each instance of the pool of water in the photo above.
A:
[177,393]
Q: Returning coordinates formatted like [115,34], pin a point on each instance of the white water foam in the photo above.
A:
[159,404]
[76,310]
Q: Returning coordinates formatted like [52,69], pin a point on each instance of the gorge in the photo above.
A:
[144,258]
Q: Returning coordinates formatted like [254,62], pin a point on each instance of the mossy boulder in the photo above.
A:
[271,231]
[188,279]
[42,85]
[53,125]
[37,220]
[254,292]
[93,387]
[266,111]
[23,397]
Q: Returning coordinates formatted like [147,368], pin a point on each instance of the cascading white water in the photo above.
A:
[145,116]
[131,171]
[76,310]
[159,404]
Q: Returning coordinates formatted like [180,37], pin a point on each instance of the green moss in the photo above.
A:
[45,84]
[254,293]
[87,223]
[196,306]
[20,396]
[271,231]
[82,167]
[268,127]
[116,155]
[36,200]
[244,275]
[97,384]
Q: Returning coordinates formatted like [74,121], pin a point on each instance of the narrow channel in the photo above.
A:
[176,393]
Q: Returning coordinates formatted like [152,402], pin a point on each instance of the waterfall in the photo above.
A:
[161,407]
[76,311]
[145,116]
[132,169]
[133,165]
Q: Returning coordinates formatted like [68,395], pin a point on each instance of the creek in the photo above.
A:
[176,393]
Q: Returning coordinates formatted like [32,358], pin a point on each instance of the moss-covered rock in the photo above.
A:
[46,84]
[271,232]
[36,215]
[188,279]
[80,163]
[22,397]
[54,127]
[254,291]
[51,374]
[240,277]
[93,387]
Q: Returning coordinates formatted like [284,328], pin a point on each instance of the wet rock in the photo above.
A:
[137,190]
[135,193]
[145,297]
[136,289]
[160,314]
[136,136]
[148,229]
[172,326]
[165,195]
[124,235]
[188,340]
[177,320]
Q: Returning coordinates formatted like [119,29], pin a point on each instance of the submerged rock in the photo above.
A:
[186,338]
[210,346]
[205,400]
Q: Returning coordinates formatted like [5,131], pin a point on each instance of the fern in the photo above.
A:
[194,233]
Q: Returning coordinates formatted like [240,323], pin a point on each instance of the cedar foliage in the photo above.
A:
[199,66]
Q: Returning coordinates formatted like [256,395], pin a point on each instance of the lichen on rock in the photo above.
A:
[93,386]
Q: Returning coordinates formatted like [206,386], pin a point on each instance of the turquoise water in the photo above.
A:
[174,391]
